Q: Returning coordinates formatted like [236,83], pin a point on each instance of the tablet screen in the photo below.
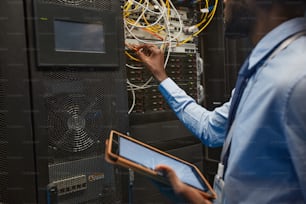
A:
[149,158]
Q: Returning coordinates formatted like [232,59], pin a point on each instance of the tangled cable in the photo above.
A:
[159,22]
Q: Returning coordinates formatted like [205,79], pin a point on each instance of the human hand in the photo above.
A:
[153,58]
[190,194]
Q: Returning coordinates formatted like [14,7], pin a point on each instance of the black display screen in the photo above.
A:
[79,37]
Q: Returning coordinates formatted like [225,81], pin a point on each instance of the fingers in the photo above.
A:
[150,54]
[146,46]
[171,175]
[168,171]
[153,58]
[164,168]
[190,194]
[146,49]
[144,52]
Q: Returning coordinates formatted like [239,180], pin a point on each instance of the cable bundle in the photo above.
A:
[159,22]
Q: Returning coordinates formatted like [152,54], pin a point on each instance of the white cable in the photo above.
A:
[158,10]
[133,67]
[147,8]
[163,16]
[139,17]
[133,100]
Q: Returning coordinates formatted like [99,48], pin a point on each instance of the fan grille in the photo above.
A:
[74,122]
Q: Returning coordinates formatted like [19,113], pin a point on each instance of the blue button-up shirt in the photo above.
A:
[267,161]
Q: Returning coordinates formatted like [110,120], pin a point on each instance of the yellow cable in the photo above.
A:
[130,56]
[200,30]
[156,30]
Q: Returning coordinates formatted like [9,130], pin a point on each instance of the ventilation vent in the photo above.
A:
[3,146]
[101,5]
[74,121]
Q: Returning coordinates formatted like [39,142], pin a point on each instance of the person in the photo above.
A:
[263,125]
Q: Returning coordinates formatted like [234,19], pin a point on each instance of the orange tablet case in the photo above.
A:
[121,161]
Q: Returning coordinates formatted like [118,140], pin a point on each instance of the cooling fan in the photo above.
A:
[75,122]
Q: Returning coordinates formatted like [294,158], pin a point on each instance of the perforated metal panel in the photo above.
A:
[79,108]
[3,145]
[74,107]
[99,184]
[77,117]
[101,5]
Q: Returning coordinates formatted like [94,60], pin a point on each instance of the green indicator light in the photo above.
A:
[43,18]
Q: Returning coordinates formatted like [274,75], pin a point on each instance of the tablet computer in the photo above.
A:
[128,152]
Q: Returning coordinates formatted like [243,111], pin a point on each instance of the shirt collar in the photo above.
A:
[274,37]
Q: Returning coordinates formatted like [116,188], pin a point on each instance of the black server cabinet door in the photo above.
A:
[74,107]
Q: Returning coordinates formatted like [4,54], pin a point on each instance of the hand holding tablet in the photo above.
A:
[130,153]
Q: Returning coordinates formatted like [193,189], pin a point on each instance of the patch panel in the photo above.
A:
[183,68]
[70,185]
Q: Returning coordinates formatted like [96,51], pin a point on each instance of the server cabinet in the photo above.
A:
[59,101]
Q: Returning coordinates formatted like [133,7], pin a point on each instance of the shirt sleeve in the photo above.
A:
[295,127]
[208,126]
